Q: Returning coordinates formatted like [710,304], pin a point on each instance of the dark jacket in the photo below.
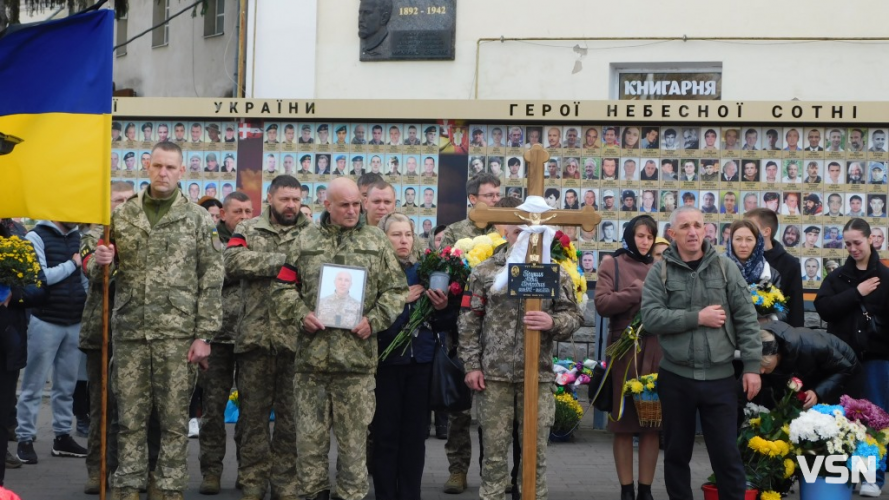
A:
[14,320]
[839,303]
[822,361]
[421,348]
[791,282]
[68,296]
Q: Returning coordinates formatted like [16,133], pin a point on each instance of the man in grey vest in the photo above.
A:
[54,332]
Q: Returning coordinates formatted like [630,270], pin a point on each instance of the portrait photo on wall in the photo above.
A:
[340,301]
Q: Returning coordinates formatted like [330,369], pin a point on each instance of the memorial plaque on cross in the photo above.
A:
[482,216]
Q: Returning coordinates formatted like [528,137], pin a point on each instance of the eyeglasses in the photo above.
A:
[488,196]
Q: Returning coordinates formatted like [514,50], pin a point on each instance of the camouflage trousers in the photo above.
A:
[459,445]
[146,375]
[94,379]
[265,383]
[345,403]
[217,383]
[498,405]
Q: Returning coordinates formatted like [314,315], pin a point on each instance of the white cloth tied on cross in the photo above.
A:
[518,253]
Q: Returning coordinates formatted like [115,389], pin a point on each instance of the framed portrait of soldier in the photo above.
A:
[793,146]
[229,135]
[115,160]
[288,136]
[611,140]
[571,141]
[877,149]
[322,137]
[130,136]
[651,140]
[270,165]
[513,192]
[496,139]
[270,141]
[856,143]
[213,131]
[690,140]
[591,141]
[669,173]
[411,168]
[811,271]
[590,171]
[813,142]
[145,134]
[193,190]
[731,142]
[749,200]
[670,141]
[428,200]
[879,238]
[630,140]
[771,173]
[811,245]
[358,136]
[629,172]
[751,143]
[772,139]
[478,142]
[340,302]
[835,143]
[393,168]
[408,202]
[430,140]
[341,137]
[495,166]
[162,132]
[211,189]
[855,205]
[710,143]
[876,177]
[834,175]
[832,241]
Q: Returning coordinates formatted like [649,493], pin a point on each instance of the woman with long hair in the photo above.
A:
[619,297]
[746,248]
[847,297]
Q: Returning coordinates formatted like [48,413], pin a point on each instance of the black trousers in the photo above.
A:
[717,403]
[8,382]
[400,426]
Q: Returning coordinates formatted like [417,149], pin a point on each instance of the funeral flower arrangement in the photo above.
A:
[643,390]
[767,299]
[564,253]
[18,265]
[457,262]
[764,442]
[856,427]
[568,414]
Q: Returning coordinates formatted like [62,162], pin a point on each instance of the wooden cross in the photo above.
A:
[588,219]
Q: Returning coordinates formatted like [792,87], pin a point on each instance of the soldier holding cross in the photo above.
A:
[492,330]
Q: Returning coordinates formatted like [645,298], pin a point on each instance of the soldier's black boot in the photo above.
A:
[627,492]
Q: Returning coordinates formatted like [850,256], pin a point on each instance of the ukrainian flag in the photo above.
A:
[55,115]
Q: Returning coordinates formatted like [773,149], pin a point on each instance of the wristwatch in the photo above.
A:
[206,341]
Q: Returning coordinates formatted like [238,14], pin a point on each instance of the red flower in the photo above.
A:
[456,289]
[801,396]
[428,251]
[446,252]
[565,240]
[457,252]
[559,235]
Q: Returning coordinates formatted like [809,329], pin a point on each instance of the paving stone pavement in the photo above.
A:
[582,469]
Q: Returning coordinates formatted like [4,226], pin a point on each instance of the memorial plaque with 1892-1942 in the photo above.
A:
[533,281]
[407,30]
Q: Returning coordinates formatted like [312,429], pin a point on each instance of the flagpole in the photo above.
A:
[103,426]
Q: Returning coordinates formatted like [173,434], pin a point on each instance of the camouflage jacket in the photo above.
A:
[461,229]
[492,336]
[335,350]
[168,279]
[255,254]
[91,325]
[231,298]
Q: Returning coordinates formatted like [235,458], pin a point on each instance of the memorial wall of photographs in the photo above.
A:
[210,150]
[815,178]
[405,154]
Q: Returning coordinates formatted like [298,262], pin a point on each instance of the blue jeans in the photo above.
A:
[50,346]
[875,375]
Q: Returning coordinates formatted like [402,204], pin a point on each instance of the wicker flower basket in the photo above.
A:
[648,411]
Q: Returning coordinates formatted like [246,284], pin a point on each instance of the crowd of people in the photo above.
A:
[207,295]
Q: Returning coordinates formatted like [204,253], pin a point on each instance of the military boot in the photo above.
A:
[455,484]
[173,495]
[92,484]
[154,493]
[125,494]
[252,494]
[210,485]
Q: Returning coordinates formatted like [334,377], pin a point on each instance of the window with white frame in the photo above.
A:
[214,18]
[161,35]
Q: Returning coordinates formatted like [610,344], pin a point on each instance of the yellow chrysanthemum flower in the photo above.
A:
[789,467]
[770,495]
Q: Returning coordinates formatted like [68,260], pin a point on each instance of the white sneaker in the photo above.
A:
[194,429]
[869,490]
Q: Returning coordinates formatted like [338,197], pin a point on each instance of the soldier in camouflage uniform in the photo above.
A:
[492,348]
[485,188]
[335,367]
[168,303]
[218,379]
[265,349]
[91,344]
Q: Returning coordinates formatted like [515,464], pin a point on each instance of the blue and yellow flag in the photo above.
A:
[55,116]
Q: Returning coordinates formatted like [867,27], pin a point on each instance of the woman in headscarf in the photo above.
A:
[619,297]
[746,247]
